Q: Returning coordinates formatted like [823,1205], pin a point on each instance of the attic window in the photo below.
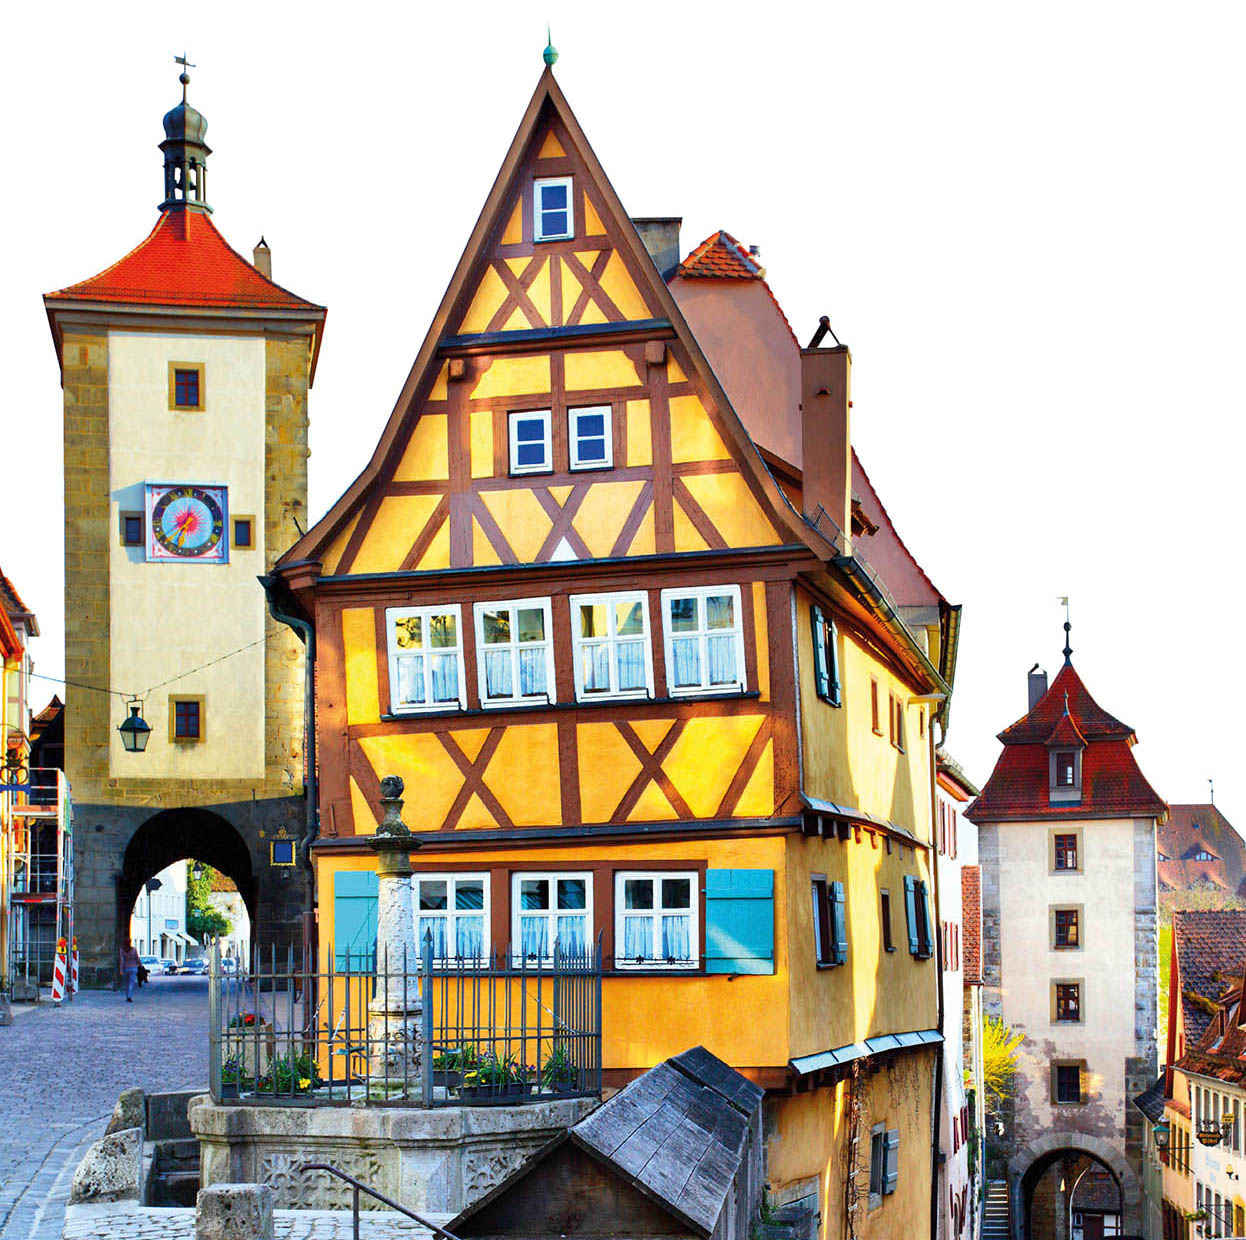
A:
[1066,770]
[552,219]
[1065,775]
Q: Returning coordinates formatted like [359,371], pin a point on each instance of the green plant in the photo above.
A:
[456,1059]
[289,1074]
[558,1069]
[492,1071]
[232,1072]
[243,1020]
[999,1058]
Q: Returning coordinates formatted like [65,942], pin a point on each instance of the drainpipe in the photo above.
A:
[307,635]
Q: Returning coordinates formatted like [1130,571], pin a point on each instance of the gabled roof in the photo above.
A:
[720,256]
[1151,1100]
[547,102]
[1210,948]
[1189,829]
[1220,1052]
[1113,785]
[184,261]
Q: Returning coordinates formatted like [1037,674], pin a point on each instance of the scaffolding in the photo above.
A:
[39,877]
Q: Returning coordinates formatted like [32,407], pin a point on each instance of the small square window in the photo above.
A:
[1067,928]
[1067,1085]
[244,533]
[1066,852]
[185,385]
[1068,1002]
[553,219]
[590,437]
[186,719]
[531,452]
[132,529]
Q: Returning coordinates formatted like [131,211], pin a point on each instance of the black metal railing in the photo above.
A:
[499,1029]
[358,1186]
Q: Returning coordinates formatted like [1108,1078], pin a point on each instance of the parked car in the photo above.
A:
[229,965]
[170,966]
[194,964]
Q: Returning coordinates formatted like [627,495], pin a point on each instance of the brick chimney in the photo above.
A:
[262,259]
[661,237]
[826,440]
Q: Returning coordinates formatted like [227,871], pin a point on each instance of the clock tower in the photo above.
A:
[185,372]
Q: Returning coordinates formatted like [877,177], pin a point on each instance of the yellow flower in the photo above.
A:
[304,1082]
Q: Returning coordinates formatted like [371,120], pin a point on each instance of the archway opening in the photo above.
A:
[1069,1194]
[173,852]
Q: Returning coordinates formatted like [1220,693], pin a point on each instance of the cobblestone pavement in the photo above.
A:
[142,1223]
[62,1071]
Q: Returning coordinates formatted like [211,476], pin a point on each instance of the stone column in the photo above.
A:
[395,1027]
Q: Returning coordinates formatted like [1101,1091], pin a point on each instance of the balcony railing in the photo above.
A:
[499,1029]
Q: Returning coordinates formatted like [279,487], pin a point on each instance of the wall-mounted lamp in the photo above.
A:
[135,731]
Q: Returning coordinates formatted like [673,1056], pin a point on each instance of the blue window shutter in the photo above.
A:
[354,921]
[910,911]
[891,1160]
[817,624]
[832,663]
[928,945]
[739,921]
[840,923]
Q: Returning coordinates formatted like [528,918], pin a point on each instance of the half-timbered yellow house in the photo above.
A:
[618,637]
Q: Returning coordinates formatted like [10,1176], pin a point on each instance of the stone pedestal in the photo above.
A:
[234,1212]
[395,1026]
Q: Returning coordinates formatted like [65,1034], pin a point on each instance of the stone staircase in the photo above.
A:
[995,1216]
[175,1178]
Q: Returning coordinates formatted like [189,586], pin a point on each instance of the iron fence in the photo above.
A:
[499,1029]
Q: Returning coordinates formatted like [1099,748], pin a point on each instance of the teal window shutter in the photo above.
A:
[891,1160]
[739,921]
[910,911]
[832,663]
[822,677]
[928,928]
[354,921]
[840,923]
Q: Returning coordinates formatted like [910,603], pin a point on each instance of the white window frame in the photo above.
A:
[701,593]
[513,646]
[552,913]
[394,614]
[578,644]
[573,436]
[513,418]
[451,914]
[537,186]
[622,915]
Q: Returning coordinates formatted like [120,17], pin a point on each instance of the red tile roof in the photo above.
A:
[184,261]
[1092,720]
[1066,733]
[1194,828]
[1211,949]
[971,923]
[10,600]
[1112,783]
[1221,1050]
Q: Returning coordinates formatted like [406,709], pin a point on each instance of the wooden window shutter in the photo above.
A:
[839,923]
[739,921]
[822,674]
[891,1164]
[910,911]
[927,926]
[354,921]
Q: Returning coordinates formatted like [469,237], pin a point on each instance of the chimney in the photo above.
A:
[826,440]
[661,237]
[262,259]
[1037,685]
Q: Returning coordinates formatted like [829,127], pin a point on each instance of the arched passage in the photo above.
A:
[1028,1167]
[178,835]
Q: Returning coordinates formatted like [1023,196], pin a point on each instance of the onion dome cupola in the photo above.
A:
[185,155]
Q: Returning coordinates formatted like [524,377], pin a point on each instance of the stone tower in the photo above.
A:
[185,372]
[1066,839]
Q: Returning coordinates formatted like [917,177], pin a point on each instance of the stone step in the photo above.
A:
[184,1149]
[177,1188]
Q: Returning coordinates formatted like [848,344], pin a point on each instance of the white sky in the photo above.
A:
[1026,221]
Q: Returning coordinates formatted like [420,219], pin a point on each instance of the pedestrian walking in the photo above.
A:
[129,969]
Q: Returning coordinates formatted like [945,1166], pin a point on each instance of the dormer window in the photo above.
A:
[1066,770]
[552,218]
[1065,775]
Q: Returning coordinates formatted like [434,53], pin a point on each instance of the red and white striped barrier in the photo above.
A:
[73,967]
[58,972]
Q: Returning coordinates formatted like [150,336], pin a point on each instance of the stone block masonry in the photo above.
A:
[234,1212]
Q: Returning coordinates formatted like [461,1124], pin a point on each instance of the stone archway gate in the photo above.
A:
[1132,1200]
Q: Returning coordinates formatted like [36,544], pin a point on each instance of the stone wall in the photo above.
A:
[434,1161]
[1142,1067]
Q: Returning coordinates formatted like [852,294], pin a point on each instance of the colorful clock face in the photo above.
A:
[187,522]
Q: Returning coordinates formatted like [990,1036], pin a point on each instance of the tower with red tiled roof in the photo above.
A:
[1066,834]
[185,371]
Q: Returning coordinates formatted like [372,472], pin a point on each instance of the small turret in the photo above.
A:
[185,154]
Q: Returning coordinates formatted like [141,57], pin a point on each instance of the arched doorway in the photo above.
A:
[180,835]
[1043,1210]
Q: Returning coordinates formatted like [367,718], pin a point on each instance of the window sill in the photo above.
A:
[536,472]
[889,949]
[392,716]
[657,970]
[1066,947]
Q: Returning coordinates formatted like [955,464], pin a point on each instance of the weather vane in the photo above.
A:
[184,77]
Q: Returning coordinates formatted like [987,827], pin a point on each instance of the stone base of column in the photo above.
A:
[395,1046]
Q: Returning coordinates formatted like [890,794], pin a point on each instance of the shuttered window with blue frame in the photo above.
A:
[354,921]
[917,914]
[825,655]
[739,921]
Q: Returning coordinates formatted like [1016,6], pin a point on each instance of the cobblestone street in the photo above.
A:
[63,1070]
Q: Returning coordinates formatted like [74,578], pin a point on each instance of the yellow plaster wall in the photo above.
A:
[426,458]
[808,1135]
[363,703]
[610,368]
[844,760]
[398,523]
[729,504]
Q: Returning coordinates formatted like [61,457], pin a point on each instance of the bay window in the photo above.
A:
[515,653]
[655,924]
[704,640]
[549,908]
[610,635]
[425,658]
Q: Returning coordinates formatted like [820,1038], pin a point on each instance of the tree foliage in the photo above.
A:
[203,921]
[999,1058]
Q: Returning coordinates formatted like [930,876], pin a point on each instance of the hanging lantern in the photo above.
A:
[135,731]
[1162,1133]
